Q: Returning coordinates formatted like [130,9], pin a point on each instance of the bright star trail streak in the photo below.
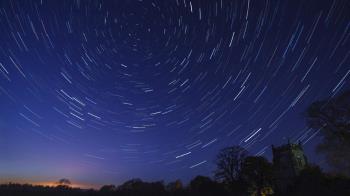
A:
[100,92]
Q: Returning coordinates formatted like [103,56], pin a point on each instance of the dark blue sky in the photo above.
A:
[103,91]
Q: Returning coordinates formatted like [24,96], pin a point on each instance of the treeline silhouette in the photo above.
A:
[311,181]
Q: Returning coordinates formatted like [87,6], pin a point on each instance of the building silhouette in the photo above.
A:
[288,161]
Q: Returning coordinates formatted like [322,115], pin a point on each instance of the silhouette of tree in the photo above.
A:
[200,182]
[229,163]
[202,185]
[257,173]
[332,118]
[64,182]
[312,181]
[138,187]
[108,188]
[175,186]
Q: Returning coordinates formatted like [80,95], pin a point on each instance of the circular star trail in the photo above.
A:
[103,91]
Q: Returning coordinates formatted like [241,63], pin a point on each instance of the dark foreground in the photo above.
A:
[310,182]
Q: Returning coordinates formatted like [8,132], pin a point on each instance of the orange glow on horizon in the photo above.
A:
[53,184]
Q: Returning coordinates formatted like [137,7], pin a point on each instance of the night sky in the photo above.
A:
[100,92]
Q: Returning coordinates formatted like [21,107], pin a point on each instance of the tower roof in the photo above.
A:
[287,146]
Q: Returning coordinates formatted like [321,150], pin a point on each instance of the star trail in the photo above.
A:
[104,91]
